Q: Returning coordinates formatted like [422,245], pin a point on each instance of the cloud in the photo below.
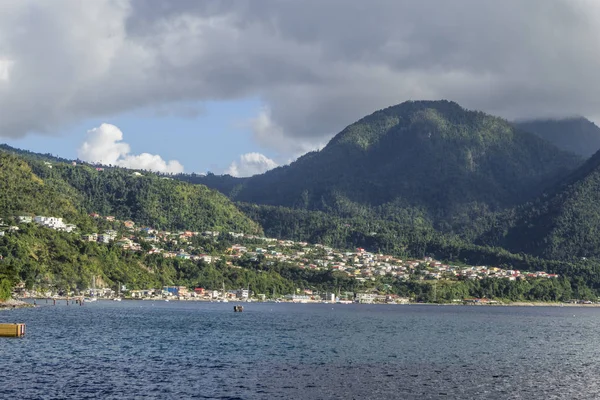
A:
[250,164]
[317,66]
[104,145]
[269,134]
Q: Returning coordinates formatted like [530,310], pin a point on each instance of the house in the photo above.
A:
[53,223]
[109,218]
[95,215]
[92,237]
[70,227]
[125,243]
[24,219]
[206,258]
[107,236]
[129,224]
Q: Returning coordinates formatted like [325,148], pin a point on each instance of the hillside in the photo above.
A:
[44,258]
[577,135]
[417,162]
[33,187]
[564,223]
[23,192]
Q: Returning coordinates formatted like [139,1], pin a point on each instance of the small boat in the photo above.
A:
[89,299]
[167,300]
[117,299]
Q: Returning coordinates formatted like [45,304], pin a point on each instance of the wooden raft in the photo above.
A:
[12,330]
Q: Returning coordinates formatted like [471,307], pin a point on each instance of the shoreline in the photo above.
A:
[13,303]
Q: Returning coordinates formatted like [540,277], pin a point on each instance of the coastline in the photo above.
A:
[12,304]
[15,303]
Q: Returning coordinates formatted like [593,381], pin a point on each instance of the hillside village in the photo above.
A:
[358,264]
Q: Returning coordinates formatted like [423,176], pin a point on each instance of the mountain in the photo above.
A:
[417,162]
[72,191]
[563,223]
[25,192]
[577,135]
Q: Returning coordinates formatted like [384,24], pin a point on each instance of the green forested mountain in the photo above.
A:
[564,223]
[149,199]
[23,192]
[390,237]
[45,258]
[32,187]
[577,135]
[417,162]
[41,256]
[398,181]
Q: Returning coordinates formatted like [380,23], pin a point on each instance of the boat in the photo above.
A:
[118,298]
[224,295]
[89,299]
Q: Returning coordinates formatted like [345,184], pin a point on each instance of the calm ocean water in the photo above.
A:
[175,350]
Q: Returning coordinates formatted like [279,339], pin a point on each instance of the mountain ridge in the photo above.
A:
[576,134]
[430,158]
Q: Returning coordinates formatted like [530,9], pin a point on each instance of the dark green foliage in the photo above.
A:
[520,290]
[412,242]
[564,223]
[43,258]
[418,162]
[22,192]
[149,199]
[577,135]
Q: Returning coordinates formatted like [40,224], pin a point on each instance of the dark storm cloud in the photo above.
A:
[317,65]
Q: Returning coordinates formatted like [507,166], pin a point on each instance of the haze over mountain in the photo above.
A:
[564,223]
[577,134]
[416,161]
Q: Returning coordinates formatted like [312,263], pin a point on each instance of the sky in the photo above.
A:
[241,86]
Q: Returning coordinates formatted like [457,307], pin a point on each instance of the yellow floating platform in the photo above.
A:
[12,330]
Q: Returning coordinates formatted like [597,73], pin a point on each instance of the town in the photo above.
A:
[358,264]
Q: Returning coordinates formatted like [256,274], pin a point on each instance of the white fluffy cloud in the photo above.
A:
[317,66]
[104,145]
[250,164]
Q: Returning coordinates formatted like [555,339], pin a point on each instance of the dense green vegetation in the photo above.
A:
[32,187]
[22,192]
[523,290]
[577,135]
[564,223]
[44,258]
[421,163]
[417,179]
[405,241]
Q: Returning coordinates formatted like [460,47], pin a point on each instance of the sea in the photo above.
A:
[201,350]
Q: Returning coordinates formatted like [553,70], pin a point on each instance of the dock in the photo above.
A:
[12,330]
